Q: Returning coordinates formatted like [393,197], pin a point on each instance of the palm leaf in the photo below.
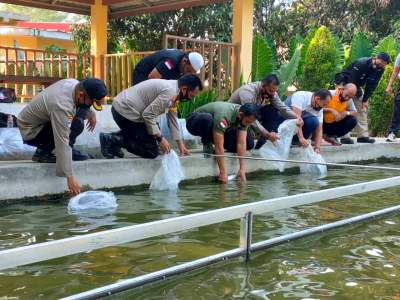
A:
[295,41]
[360,47]
[262,63]
[310,35]
[389,45]
[287,72]
[339,53]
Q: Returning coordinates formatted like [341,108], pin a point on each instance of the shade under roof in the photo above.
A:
[116,8]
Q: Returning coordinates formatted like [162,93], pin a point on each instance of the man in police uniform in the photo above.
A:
[264,94]
[135,110]
[167,64]
[47,122]
[364,73]
[225,125]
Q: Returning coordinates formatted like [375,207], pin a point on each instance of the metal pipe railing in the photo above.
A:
[45,251]
[127,284]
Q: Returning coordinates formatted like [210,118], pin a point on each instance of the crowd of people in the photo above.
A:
[55,117]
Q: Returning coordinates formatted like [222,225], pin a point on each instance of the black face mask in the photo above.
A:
[84,106]
[183,97]
[341,98]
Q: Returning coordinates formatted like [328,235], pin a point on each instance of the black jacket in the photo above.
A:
[362,74]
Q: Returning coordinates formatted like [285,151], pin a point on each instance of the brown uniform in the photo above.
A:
[250,93]
[54,105]
[144,102]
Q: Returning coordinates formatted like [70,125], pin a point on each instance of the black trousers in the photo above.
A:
[340,128]
[45,138]
[395,124]
[202,124]
[270,117]
[136,139]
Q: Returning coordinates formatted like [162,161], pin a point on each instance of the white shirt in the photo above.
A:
[302,101]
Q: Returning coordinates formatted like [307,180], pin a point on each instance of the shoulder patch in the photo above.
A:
[223,123]
[169,64]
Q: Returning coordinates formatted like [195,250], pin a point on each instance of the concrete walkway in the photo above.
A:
[26,179]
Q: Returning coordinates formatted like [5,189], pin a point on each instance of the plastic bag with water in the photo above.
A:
[169,175]
[281,148]
[308,154]
[12,147]
[93,202]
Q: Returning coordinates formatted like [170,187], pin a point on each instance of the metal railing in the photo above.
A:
[219,59]
[45,251]
[26,69]
[118,68]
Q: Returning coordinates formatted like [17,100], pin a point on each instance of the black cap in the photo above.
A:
[250,109]
[95,88]
[384,56]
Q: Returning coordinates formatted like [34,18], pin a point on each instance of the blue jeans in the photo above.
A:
[395,125]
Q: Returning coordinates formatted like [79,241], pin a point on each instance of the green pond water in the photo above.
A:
[360,261]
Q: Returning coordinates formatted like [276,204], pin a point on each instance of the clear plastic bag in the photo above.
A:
[281,148]
[12,147]
[308,154]
[93,202]
[169,175]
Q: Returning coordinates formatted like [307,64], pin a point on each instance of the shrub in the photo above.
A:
[262,59]
[360,47]
[186,108]
[321,61]
[381,106]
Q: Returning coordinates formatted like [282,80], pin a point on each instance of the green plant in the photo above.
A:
[320,62]
[310,35]
[381,106]
[339,53]
[295,41]
[287,72]
[262,63]
[389,45]
[360,47]
[186,108]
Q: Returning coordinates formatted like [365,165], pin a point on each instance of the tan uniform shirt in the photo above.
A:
[56,105]
[144,102]
[250,93]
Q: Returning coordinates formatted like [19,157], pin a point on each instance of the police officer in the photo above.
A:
[225,125]
[49,121]
[365,73]
[135,110]
[167,64]
[264,94]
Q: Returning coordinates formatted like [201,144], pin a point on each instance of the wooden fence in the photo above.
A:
[29,70]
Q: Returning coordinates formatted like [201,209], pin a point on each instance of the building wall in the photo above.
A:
[36,42]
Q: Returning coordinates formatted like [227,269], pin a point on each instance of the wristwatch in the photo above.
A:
[347,113]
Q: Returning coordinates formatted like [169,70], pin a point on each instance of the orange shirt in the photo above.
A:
[337,105]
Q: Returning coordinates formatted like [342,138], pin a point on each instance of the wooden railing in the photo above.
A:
[28,70]
[218,57]
[118,68]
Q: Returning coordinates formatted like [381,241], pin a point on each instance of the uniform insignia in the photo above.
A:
[169,64]
[223,123]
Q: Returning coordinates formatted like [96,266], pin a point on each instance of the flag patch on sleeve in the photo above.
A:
[169,64]
[223,123]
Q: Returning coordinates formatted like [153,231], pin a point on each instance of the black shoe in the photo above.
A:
[347,140]
[365,139]
[106,145]
[78,156]
[41,156]
[117,151]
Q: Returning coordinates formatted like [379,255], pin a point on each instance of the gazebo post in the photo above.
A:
[98,34]
[242,37]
